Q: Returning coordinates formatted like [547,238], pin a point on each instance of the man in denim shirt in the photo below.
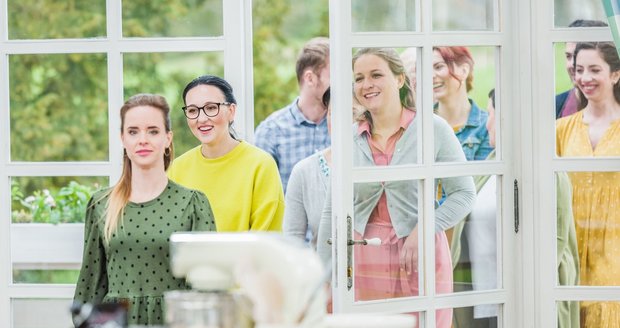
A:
[300,129]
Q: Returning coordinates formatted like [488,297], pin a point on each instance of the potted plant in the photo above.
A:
[47,232]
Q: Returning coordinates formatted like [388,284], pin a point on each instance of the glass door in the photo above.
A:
[423,212]
[576,166]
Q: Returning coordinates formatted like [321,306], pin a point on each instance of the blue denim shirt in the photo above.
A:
[290,137]
[473,136]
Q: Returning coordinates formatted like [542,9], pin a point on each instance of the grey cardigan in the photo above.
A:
[402,195]
[305,198]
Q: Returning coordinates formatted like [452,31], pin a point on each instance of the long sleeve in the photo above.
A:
[325,231]
[202,218]
[267,199]
[295,216]
[92,285]
[460,191]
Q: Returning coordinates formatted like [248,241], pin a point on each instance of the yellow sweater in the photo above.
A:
[243,186]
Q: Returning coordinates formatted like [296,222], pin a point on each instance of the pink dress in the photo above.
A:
[377,269]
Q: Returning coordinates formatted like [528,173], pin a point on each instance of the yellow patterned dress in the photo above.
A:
[596,209]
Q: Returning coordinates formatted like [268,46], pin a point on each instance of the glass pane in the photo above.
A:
[589,313]
[409,57]
[59,118]
[46,253]
[382,16]
[401,147]
[167,74]
[478,316]
[388,221]
[31,313]
[52,199]
[463,15]
[465,75]
[568,11]
[49,19]
[175,18]
[280,31]
[564,75]
[568,314]
[473,241]
[567,93]
[567,255]
[594,201]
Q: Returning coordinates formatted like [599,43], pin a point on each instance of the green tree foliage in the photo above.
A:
[280,29]
[49,19]
[58,102]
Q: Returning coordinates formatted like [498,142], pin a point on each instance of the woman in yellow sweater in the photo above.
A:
[240,180]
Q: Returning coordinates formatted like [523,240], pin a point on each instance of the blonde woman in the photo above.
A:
[127,227]
[386,135]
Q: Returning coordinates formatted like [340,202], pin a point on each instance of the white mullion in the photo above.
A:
[42,291]
[58,168]
[507,126]
[573,34]
[404,39]
[238,64]
[591,293]
[469,299]
[115,88]
[610,164]
[123,45]
[441,301]
[426,137]
[342,143]
[540,244]
[411,172]
[5,186]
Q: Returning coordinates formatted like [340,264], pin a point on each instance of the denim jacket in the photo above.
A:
[473,136]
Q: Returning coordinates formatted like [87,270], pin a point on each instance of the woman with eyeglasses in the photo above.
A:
[240,180]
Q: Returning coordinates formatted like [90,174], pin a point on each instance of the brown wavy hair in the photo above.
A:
[119,194]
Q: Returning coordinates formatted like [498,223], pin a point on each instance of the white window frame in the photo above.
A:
[236,45]
[544,289]
[342,40]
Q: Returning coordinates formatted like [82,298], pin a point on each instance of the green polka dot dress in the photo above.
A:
[135,265]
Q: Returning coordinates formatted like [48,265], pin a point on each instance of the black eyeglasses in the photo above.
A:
[210,109]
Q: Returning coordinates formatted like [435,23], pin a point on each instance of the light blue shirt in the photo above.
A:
[290,137]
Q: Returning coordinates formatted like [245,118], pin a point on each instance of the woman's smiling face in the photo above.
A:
[375,85]
[209,130]
[593,75]
[444,82]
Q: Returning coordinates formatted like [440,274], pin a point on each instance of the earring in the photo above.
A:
[167,152]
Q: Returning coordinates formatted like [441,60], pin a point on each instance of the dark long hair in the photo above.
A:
[608,52]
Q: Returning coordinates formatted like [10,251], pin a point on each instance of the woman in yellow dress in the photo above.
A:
[594,131]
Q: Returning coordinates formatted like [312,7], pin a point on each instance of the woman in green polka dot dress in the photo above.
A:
[128,226]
